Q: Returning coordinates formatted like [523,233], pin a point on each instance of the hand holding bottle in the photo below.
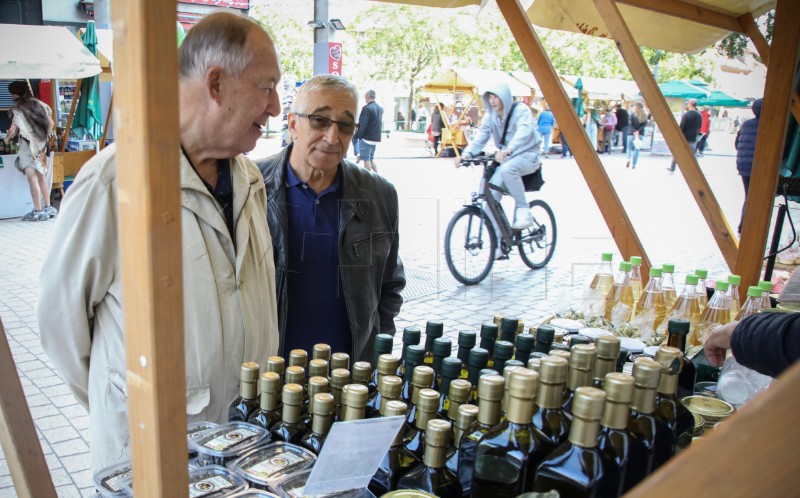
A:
[719,342]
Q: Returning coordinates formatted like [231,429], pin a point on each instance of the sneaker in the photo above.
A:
[50,211]
[628,164]
[35,216]
[522,218]
[671,170]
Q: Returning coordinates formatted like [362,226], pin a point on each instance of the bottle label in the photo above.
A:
[208,486]
[232,438]
[267,468]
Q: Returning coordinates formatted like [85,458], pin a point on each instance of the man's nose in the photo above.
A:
[273,104]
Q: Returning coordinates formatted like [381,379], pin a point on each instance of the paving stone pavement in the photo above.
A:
[430,191]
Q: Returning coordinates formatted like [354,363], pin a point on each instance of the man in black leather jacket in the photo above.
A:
[334,229]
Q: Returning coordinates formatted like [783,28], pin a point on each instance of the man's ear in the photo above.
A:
[213,82]
[291,121]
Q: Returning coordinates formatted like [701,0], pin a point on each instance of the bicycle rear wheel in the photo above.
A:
[469,246]
[539,240]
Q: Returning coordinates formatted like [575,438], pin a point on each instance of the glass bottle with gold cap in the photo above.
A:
[581,365]
[316,385]
[275,364]
[422,378]
[668,285]
[340,377]
[508,329]
[383,345]
[550,418]
[507,455]
[636,279]
[318,368]
[247,402]
[389,388]
[268,413]
[464,418]
[614,440]
[645,430]
[457,394]
[621,293]
[321,420]
[433,330]
[466,341]
[606,359]
[490,397]
[427,409]
[354,402]
[668,409]
[321,351]
[433,476]
[652,299]
[411,337]
[362,374]
[524,348]
[489,333]
[678,330]
[578,467]
[298,358]
[717,312]
[340,360]
[296,374]
[290,429]
[413,357]
[398,460]
[507,377]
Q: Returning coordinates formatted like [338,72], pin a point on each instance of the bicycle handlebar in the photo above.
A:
[480,159]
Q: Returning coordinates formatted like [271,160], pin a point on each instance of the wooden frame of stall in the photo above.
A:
[751,454]
[453,130]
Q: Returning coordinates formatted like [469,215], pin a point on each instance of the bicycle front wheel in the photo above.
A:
[539,240]
[469,246]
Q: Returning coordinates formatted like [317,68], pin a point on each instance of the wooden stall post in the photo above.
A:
[589,162]
[770,140]
[21,446]
[148,151]
[678,145]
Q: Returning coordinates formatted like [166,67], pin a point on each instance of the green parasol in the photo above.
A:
[578,102]
[88,120]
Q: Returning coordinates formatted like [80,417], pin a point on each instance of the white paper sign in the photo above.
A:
[351,454]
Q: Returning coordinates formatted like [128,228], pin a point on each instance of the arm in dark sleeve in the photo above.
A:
[684,121]
[394,277]
[363,124]
[767,342]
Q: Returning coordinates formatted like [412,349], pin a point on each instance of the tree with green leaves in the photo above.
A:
[294,42]
[735,44]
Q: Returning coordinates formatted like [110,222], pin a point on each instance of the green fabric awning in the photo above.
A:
[718,98]
[683,90]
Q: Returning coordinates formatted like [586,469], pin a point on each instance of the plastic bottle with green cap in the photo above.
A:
[702,292]
[686,306]
[636,278]
[766,290]
[621,293]
[733,294]
[652,300]
[668,285]
[753,304]
[604,277]
[718,312]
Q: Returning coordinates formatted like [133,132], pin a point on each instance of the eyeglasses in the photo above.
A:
[321,123]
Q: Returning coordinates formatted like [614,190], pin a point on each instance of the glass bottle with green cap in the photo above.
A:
[383,345]
[427,409]
[606,359]
[478,359]
[668,409]
[753,304]
[411,337]
[614,440]
[490,391]
[508,329]
[645,430]
[433,330]
[433,476]
[678,330]
[686,306]
[621,293]
[702,287]
[545,335]
[524,347]
[503,351]
[442,348]
[451,370]
[290,429]
[466,341]
[321,420]
[466,416]
[636,279]
[733,294]
[414,357]
[718,312]
[581,365]
[575,339]
[268,413]
[389,388]
[489,333]
[766,290]
[652,300]
[550,418]
[508,454]
[242,407]
[397,461]
[421,378]
[578,467]
[603,277]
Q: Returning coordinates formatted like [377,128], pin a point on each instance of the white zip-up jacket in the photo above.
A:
[229,297]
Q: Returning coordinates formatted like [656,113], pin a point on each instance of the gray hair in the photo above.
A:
[323,82]
[219,39]
[693,102]
[370,94]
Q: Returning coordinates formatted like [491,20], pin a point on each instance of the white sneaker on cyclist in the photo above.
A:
[522,218]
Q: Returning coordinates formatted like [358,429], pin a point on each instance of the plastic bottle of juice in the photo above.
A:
[766,290]
[621,291]
[668,285]
[733,294]
[653,297]
[702,294]
[753,304]
[685,307]
[636,278]
[604,278]
[718,312]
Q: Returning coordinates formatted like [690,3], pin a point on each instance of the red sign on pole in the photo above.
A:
[335,58]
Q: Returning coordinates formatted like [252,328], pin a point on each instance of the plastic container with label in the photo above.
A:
[264,467]
[113,481]
[254,493]
[213,481]
[194,429]
[227,442]
[292,487]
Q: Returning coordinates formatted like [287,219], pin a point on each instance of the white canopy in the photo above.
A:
[606,88]
[44,52]
[527,79]
[474,80]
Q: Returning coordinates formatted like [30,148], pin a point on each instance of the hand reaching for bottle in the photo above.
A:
[718,343]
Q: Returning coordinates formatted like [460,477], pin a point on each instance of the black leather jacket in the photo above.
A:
[371,271]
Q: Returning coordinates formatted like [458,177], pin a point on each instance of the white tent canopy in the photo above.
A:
[474,80]
[527,79]
[606,88]
[44,52]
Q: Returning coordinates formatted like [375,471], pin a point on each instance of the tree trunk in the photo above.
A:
[411,92]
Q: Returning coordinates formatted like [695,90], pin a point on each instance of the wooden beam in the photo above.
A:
[21,446]
[771,137]
[585,154]
[688,11]
[753,453]
[148,151]
[677,143]
[75,97]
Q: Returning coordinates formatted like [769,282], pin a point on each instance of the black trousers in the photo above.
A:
[746,183]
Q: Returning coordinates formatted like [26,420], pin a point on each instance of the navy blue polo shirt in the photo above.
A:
[316,307]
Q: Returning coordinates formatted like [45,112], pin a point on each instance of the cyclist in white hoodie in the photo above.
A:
[517,152]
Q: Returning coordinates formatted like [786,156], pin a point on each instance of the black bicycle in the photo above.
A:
[470,243]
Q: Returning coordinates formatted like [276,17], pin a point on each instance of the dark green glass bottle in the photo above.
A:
[389,388]
[398,461]
[466,341]
[318,368]
[362,374]
[458,394]
[677,331]
[411,337]
[545,335]
[321,351]
[298,358]
[268,413]
[451,370]
[550,418]
[442,348]
[478,358]
[581,364]
[503,351]
[614,440]
[321,420]
[433,476]
[427,406]
[490,391]
[433,330]
[606,360]
[524,345]
[489,333]
[508,329]
[340,360]
[578,467]
[467,416]
[247,402]
[340,377]
[275,364]
[290,429]
[422,378]
[383,345]
[316,385]
[413,358]
[668,409]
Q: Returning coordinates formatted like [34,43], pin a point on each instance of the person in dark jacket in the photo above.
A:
[746,150]
[370,123]
[690,126]
[334,230]
[622,126]
[437,123]
[765,342]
